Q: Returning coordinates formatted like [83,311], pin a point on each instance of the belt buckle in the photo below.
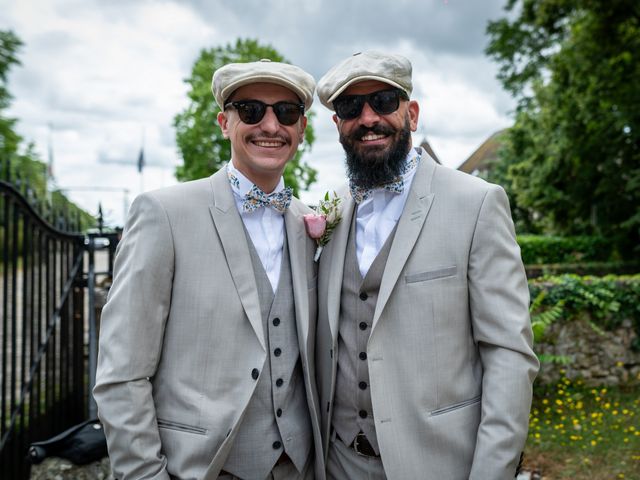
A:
[356,444]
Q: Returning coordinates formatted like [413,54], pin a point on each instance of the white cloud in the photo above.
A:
[101,73]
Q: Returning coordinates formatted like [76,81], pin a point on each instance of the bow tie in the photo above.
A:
[256,198]
[360,194]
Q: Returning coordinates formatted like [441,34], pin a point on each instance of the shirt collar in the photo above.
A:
[241,185]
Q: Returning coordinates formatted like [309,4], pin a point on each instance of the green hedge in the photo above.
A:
[584,268]
[543,249]
[606,301]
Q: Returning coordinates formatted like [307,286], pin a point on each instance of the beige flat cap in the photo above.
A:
[384,67]
[230,77]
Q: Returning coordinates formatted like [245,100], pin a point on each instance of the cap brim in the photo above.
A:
[233,86]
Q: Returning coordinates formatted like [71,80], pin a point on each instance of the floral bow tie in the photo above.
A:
[256,198]
[360,194]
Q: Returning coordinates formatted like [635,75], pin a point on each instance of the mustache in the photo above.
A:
[267,136]
[377,129]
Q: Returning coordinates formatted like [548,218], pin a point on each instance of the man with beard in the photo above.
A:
[424,345]
[206,365]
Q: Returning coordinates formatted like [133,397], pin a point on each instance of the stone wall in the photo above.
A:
[600,358]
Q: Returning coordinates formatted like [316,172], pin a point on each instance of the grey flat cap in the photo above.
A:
[232,76]
[384,67]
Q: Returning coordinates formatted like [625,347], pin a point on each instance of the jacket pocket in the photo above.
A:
[181,427]
[432,274]
[455,406]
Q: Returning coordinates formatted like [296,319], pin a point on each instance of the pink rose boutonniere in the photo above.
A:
[320,225]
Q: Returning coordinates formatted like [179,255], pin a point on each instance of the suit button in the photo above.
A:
[363,325]
[363,413]
[279,412]
[276,445]
[255,373]
[276,322]
[362,355]
[277,352]
[279,382]
[363,296]
[362,385]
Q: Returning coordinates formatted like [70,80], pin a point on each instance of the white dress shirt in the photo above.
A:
[377,216]
[265,226]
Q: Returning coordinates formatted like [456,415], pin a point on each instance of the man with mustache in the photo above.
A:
[206,363]
[424,345]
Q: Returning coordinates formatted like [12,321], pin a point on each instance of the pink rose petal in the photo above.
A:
[315,225]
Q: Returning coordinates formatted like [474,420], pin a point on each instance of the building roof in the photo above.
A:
[425,144]
[484,155]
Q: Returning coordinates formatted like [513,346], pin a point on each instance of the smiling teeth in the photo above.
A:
[371,136]
[268,144]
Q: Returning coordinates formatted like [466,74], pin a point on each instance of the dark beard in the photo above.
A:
[377,166]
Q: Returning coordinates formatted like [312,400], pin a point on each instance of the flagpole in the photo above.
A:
[141,163]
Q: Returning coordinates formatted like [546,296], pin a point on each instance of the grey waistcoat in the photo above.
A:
[277,417]
[353,411]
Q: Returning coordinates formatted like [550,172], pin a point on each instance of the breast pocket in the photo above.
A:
[441,272]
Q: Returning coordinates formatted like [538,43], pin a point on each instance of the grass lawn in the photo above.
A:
[578,432]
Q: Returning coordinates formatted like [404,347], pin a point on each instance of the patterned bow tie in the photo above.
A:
[360,194]
[256,198]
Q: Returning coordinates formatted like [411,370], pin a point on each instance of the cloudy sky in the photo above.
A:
[101,77]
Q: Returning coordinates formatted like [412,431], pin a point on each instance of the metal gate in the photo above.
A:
[44,376]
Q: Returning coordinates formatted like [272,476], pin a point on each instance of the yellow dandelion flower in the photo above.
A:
[545,401]
[614,412]
[558,401]
[593,443]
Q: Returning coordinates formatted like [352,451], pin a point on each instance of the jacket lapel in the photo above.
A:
[296,240]
[229,226]
[332,258]
[410,225]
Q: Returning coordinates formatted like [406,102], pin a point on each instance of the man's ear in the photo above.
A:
[414,111]
[223,121]
[303,126]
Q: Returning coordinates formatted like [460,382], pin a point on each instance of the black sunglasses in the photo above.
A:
[383,102]
[252,111]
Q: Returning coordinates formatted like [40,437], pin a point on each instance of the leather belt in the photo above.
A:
[362,446]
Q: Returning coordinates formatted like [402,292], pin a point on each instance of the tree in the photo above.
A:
[19,162]
[9,46]
[203,148]
[573,155]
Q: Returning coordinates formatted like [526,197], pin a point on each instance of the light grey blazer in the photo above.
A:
[450,354]
[182,332]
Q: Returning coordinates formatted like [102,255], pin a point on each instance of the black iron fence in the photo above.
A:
[47,343]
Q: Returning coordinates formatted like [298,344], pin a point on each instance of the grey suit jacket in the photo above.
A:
[182,332]
[450,353]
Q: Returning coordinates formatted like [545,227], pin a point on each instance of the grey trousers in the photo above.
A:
[345,464]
